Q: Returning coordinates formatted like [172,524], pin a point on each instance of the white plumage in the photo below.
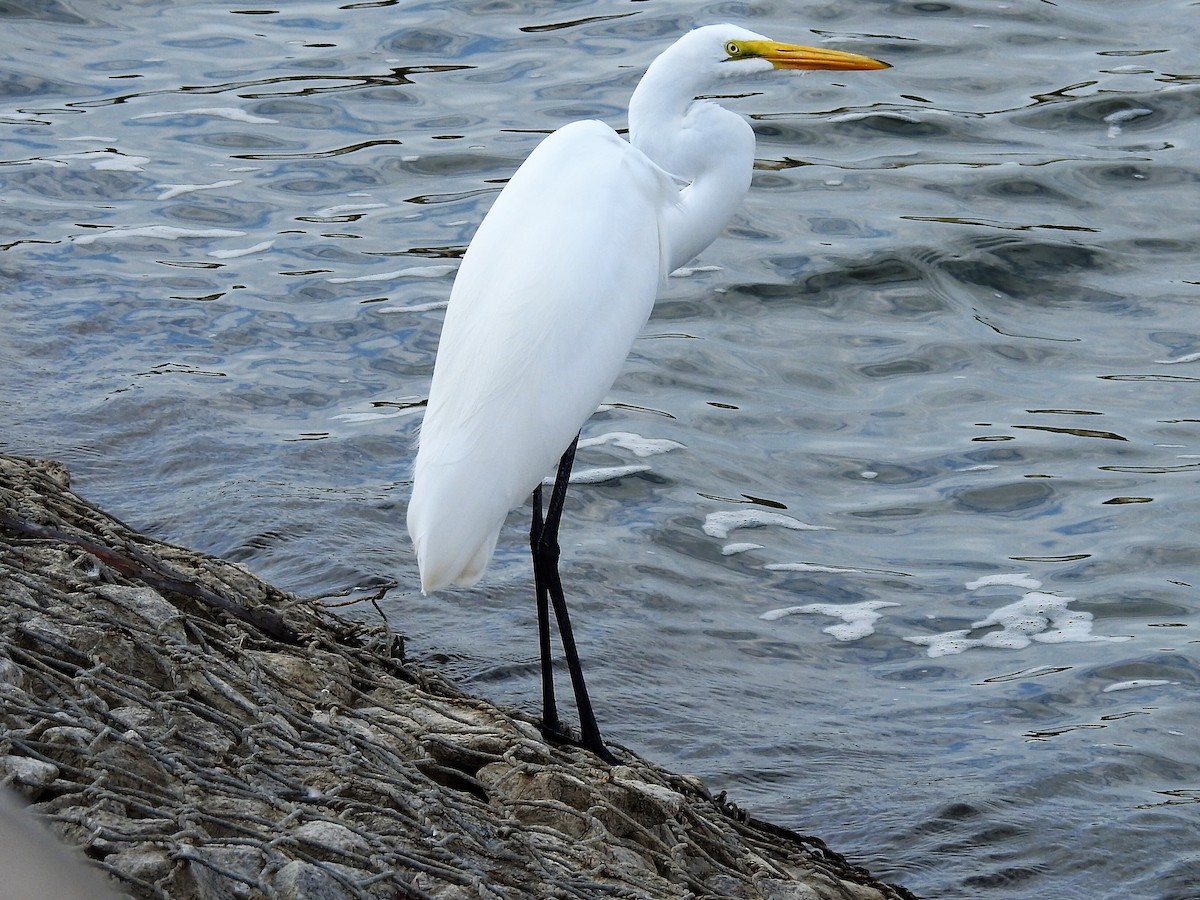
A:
[556,284]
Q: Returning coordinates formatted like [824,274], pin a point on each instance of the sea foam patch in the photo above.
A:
[739,547]
[411,272]
[826,569]
[601,474]
[857,619]
[1037,616]
[719,524]
[634,443]
[1136,684]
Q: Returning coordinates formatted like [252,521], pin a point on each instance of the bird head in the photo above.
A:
[740,51]
[797,56]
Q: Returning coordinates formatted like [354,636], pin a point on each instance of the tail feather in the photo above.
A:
[454,528]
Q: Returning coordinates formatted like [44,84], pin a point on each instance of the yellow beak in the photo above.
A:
[795,56]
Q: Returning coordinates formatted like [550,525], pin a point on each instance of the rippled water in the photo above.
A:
[953,329]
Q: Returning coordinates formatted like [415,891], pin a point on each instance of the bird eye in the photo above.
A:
[732,48]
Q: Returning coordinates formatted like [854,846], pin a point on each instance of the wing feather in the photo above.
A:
[554,288]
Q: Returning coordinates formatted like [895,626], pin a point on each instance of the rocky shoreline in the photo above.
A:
[199,733]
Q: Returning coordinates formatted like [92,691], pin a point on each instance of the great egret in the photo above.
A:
[553,289]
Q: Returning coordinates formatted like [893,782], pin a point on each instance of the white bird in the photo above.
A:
[552,291]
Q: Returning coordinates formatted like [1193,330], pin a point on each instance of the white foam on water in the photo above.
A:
[1037,616]
[626,440]
[733,549]
[636,444]
[1021,580]
[411,272]
[602,474]
[1135,684]
[857,619]
[719,524]
[831,570]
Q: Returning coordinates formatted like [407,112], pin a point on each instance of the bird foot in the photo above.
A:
[557,732]
[601,751]
[560,733]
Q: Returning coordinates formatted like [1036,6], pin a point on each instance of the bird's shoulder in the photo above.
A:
[587,132]
[593,147]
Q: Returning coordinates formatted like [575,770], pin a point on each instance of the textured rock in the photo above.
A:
[27,776]
[162,713]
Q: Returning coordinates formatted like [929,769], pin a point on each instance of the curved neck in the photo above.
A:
[707,147]
[657,112]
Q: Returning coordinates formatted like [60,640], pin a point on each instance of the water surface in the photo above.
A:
[952,332]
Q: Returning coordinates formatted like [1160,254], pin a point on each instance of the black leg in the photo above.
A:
[546,578]
[551,726]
